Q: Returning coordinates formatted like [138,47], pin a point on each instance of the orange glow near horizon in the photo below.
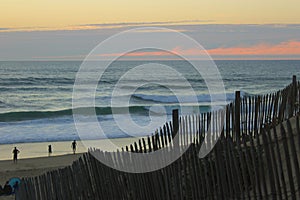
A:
[284,48]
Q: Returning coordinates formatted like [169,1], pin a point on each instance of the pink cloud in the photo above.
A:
[174,51]
[284,48]
[139,54]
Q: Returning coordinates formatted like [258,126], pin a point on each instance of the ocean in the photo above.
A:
[36,96]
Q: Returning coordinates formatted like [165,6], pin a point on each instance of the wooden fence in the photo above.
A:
[261,168]
[245,116]
[256,157]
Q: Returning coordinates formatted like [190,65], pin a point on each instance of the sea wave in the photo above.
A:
[36,81]
[141,105]
[32,115]
[102,112]
[186,98]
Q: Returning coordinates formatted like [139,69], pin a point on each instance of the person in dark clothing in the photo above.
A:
[15,153]
[16,186]
[74,144]
[7,189]
[1,190]
[49,150]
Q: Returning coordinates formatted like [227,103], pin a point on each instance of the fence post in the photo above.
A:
[294,81]
[294,97]
[175,123]
[175,120]
[237,111]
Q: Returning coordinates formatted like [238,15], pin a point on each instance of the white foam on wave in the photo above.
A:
[63,129]
[203,98]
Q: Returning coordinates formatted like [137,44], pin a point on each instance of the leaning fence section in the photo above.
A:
[261,168]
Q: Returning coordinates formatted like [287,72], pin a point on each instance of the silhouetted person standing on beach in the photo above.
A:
[7,189]
[49,150]
[74,144]
[15,153]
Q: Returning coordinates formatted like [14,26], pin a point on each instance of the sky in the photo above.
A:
[69,30]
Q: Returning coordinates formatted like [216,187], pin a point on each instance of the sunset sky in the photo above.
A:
[231,29]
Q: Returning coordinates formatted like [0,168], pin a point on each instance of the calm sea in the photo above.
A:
[36,97]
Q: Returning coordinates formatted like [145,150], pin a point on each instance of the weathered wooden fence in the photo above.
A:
[263,168]
[245,116]
[256,157]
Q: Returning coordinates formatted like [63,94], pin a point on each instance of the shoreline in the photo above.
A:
[40,149]
[34,160]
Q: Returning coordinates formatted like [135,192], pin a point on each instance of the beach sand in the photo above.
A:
[32,167]
[34,159]
[40,149]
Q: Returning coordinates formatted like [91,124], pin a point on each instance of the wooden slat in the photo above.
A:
[271,180]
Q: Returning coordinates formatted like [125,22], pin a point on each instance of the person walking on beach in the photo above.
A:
[49,150]
[74,144]
[15,153]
